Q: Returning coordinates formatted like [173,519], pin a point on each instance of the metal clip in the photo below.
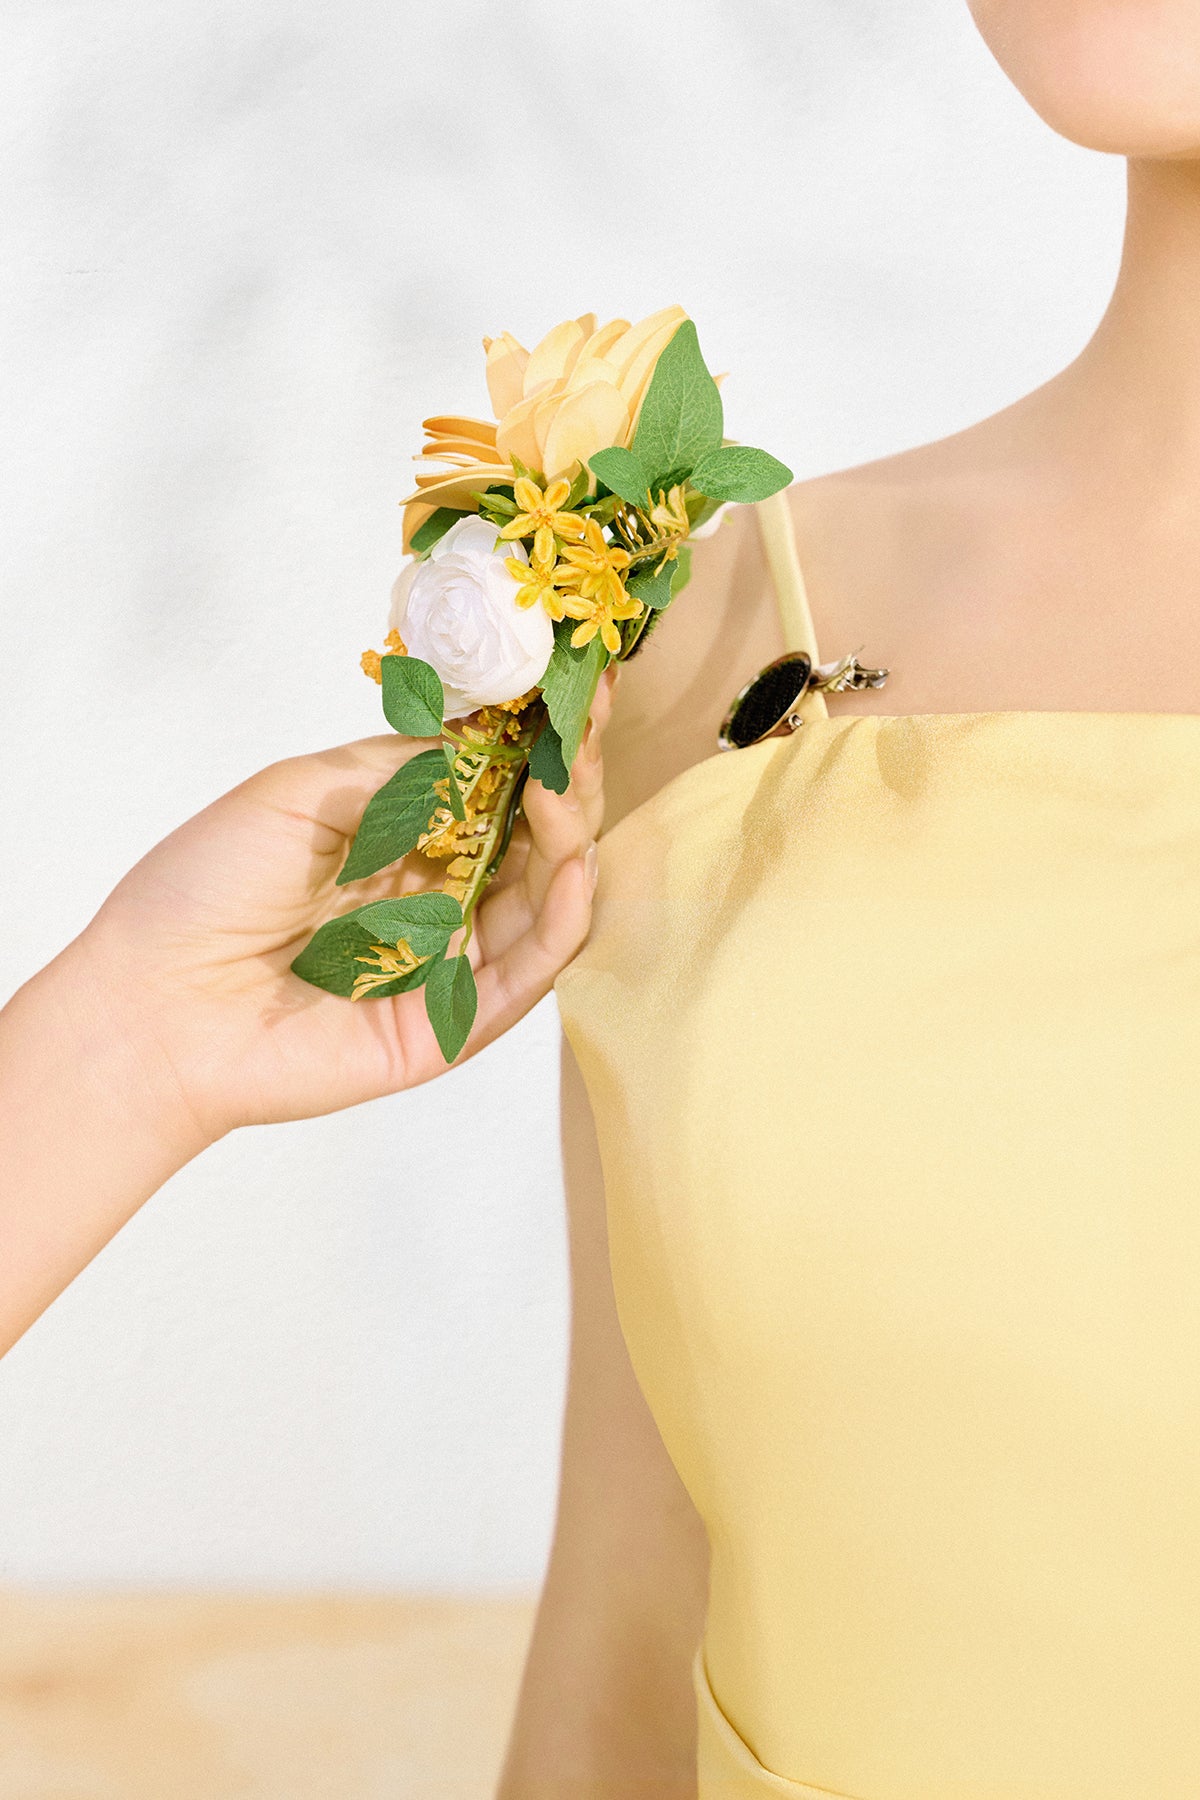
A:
[846,675]
[770,704]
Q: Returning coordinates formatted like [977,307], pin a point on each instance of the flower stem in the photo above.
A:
[491,815]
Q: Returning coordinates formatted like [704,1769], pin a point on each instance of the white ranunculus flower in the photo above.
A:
[458,611]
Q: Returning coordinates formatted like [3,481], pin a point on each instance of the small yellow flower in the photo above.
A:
[599,615]
[370,660]
[541,517]
[512,727]
[598,597]
[537,578]
[670,515]
[594,567]
[385,963]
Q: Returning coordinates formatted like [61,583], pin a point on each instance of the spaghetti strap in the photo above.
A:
[799,633]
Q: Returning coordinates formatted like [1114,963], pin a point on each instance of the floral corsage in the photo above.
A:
[544,546]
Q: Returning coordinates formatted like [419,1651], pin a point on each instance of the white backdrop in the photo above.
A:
[244,250]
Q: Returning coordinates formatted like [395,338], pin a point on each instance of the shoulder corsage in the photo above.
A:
[545,544]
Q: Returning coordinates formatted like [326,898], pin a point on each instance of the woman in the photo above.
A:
[890,1032]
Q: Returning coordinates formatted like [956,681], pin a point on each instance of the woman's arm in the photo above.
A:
[174,1017]
[606,1704]
[606,1709]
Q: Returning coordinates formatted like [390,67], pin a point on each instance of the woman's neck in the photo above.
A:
[1138,380]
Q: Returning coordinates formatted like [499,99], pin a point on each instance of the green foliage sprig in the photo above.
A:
[679,438]
[346,947]
[647,497]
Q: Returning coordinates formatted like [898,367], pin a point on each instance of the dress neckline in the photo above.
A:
[1006,712]
[833,725]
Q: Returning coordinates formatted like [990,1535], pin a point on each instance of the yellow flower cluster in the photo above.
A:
[573,571]
[371,661]
[385,962]
[448,836]
[670,515]
[459,839]
[597,594]
[578,391]
[541,516]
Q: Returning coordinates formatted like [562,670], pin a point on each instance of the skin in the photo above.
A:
[1043,560]
[173,1018]
[1116,75]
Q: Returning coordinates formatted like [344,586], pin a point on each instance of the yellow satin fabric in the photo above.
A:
[892,1033]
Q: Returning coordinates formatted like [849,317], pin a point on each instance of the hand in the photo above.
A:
[174,1016]
[193,947]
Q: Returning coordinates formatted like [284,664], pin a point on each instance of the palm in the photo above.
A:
[209,922]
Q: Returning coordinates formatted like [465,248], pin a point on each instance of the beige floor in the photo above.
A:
[182,1698]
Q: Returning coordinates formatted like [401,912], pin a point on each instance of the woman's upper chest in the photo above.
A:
[1003,591]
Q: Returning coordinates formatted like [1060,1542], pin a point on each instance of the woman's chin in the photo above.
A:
[1120,76]
[1106,125]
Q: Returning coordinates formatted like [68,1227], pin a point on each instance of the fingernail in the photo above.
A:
[591,864]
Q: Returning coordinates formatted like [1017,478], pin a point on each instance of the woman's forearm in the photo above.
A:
[174,1017]
[91,1123]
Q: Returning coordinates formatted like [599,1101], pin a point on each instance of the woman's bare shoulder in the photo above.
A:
[725,625]
[884,547]
[674,691]
[913,558]
[872,535]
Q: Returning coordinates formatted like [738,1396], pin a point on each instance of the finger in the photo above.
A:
[523,973]
[587,771]
[555,824]
[602,702]
[331,788]
[555,828]
[514,860]
[587,776]
[558,830]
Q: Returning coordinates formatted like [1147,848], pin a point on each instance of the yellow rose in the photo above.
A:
[578,391]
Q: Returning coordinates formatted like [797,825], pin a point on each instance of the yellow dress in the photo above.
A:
[892,1033]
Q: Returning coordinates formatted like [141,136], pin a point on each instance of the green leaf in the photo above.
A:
[579,489]
[451,1001]
[432,917]
[681,416]
[395,816]
[436,526]
[699,509]
[569,683]
[413,701]
[333,957]
[328,959]
[602,511]
[546,760]
[621,471]
[653,588]
[455,792]
[736,472]
[497,500]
